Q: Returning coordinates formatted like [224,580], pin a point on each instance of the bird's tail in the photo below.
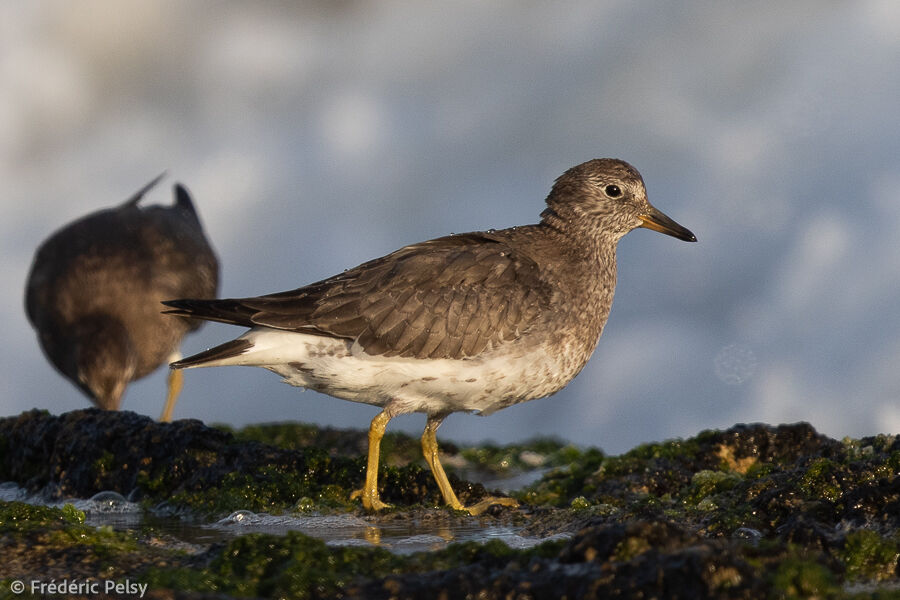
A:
[214,356]
[136,197]
[228,311]
[183,201]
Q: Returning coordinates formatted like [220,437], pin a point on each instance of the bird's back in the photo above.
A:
[119,264]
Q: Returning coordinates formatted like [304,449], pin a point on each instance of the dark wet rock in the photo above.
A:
[333,440]
[53,544]
[754,476]
[481,463]
[669,467]
[87,451]
[874,503]
[755,511]
[638,560]
[83,452]
[804,530]
[764,443]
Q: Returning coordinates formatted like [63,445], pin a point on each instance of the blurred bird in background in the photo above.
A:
[95,286]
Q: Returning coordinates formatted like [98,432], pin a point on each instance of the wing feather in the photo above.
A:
[448,298]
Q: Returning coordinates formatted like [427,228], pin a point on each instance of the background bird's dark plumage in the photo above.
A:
[94,289]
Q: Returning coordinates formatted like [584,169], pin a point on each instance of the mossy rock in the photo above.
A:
[755,511]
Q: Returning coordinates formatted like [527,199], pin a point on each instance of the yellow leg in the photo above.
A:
[430,450]
[175,383]
[369,493]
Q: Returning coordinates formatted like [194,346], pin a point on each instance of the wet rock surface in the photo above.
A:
[81,453]
[752,512]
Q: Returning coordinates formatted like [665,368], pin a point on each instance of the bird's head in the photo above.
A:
[606,195]
[105,360]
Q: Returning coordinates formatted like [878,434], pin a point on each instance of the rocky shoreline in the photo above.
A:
[755,511]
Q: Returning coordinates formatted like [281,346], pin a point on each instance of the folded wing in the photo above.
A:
[452,297]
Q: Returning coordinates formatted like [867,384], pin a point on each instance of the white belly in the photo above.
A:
[342,369]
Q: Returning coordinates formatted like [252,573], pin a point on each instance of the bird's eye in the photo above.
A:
[613,191]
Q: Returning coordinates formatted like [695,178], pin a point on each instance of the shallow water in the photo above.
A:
[400,536]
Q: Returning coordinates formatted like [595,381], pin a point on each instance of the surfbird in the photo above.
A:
[94,290]
[470,322]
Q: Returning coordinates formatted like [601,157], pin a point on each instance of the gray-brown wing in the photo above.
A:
[448,298]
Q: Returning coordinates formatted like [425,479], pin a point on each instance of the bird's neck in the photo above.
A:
[581,240]
[591,269]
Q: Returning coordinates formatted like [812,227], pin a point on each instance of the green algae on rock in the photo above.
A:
[188,465]
[751,512]
[45,542]
[759,476]
[20,517]
[293,565]
[635,559]
[398,448]
[869,556]
[297,566]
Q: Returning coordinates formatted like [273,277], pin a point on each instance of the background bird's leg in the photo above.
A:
[430,450]
[175,383]
[369,493]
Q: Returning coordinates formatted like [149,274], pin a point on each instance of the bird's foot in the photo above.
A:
[370,499]
[481,506]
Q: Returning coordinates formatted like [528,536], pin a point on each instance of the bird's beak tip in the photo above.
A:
[657,221]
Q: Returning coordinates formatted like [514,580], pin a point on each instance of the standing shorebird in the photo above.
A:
[470,322]
[94,290]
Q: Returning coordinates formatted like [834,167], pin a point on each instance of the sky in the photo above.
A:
[315,136]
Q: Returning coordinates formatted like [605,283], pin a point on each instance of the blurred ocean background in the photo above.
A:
[317,135]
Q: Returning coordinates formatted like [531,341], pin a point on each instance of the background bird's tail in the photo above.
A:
[136,197]
[184,202]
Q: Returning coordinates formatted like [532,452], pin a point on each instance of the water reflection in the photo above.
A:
[403,536]
[400,536]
